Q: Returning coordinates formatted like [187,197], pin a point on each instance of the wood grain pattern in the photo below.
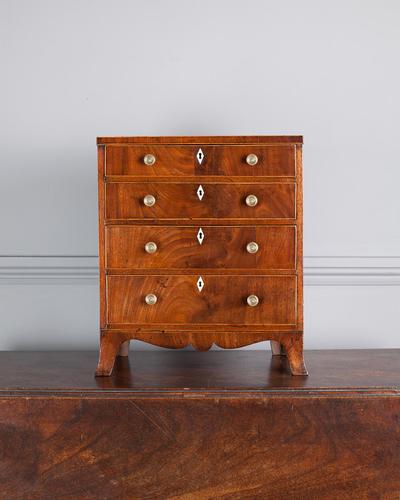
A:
[220,447]
[174,161]
[193,426]
[180,201]
[222,300]
[272,160]
[170,160]
[222,247]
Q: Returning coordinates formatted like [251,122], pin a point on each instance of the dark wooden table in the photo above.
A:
[200,425]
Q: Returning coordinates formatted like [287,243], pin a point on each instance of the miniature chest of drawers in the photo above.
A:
[201,244]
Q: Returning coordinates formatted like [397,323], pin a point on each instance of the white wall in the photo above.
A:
[72,70]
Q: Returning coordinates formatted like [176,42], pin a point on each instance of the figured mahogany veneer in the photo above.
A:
[180,201]
[222,300]
[188,257]
[218,160]
[222,247]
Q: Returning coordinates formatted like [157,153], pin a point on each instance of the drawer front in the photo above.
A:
[168,160]
[195,247]
[155,161]
[270,161]
[191,201]
[222,300]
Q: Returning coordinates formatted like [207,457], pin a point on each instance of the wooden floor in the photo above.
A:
[187,425]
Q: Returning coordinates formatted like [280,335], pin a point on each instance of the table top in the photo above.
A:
[183,373]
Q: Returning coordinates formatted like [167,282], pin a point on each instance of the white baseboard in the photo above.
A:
[318,270]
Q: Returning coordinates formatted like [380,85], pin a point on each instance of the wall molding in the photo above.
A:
[352,271]
[48,269]
[318,270]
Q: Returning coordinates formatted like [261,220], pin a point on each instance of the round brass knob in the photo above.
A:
[251,200]
[252,300]
[149,160]
[149,200]
[150,247]
[150,299]
[252,247]
[251,159]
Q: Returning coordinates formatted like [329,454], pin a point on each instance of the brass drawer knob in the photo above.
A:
[150,299]
[252,247]
[252,300]
[251,159]
[149,200]
[150,247]
[149,160]
[251,200]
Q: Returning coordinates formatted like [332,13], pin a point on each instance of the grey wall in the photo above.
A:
[72,70]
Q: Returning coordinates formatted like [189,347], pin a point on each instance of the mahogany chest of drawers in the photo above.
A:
[201,244]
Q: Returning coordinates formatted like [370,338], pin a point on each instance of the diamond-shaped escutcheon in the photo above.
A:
[200,284]
[200,192]
[200,156]
[200,236]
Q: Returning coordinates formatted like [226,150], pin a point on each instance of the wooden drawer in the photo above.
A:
[222,300]
[215,160]
[169,160]
[271,160]
[181,201]
[193,247]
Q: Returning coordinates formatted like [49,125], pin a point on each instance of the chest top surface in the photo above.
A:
[206,139]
